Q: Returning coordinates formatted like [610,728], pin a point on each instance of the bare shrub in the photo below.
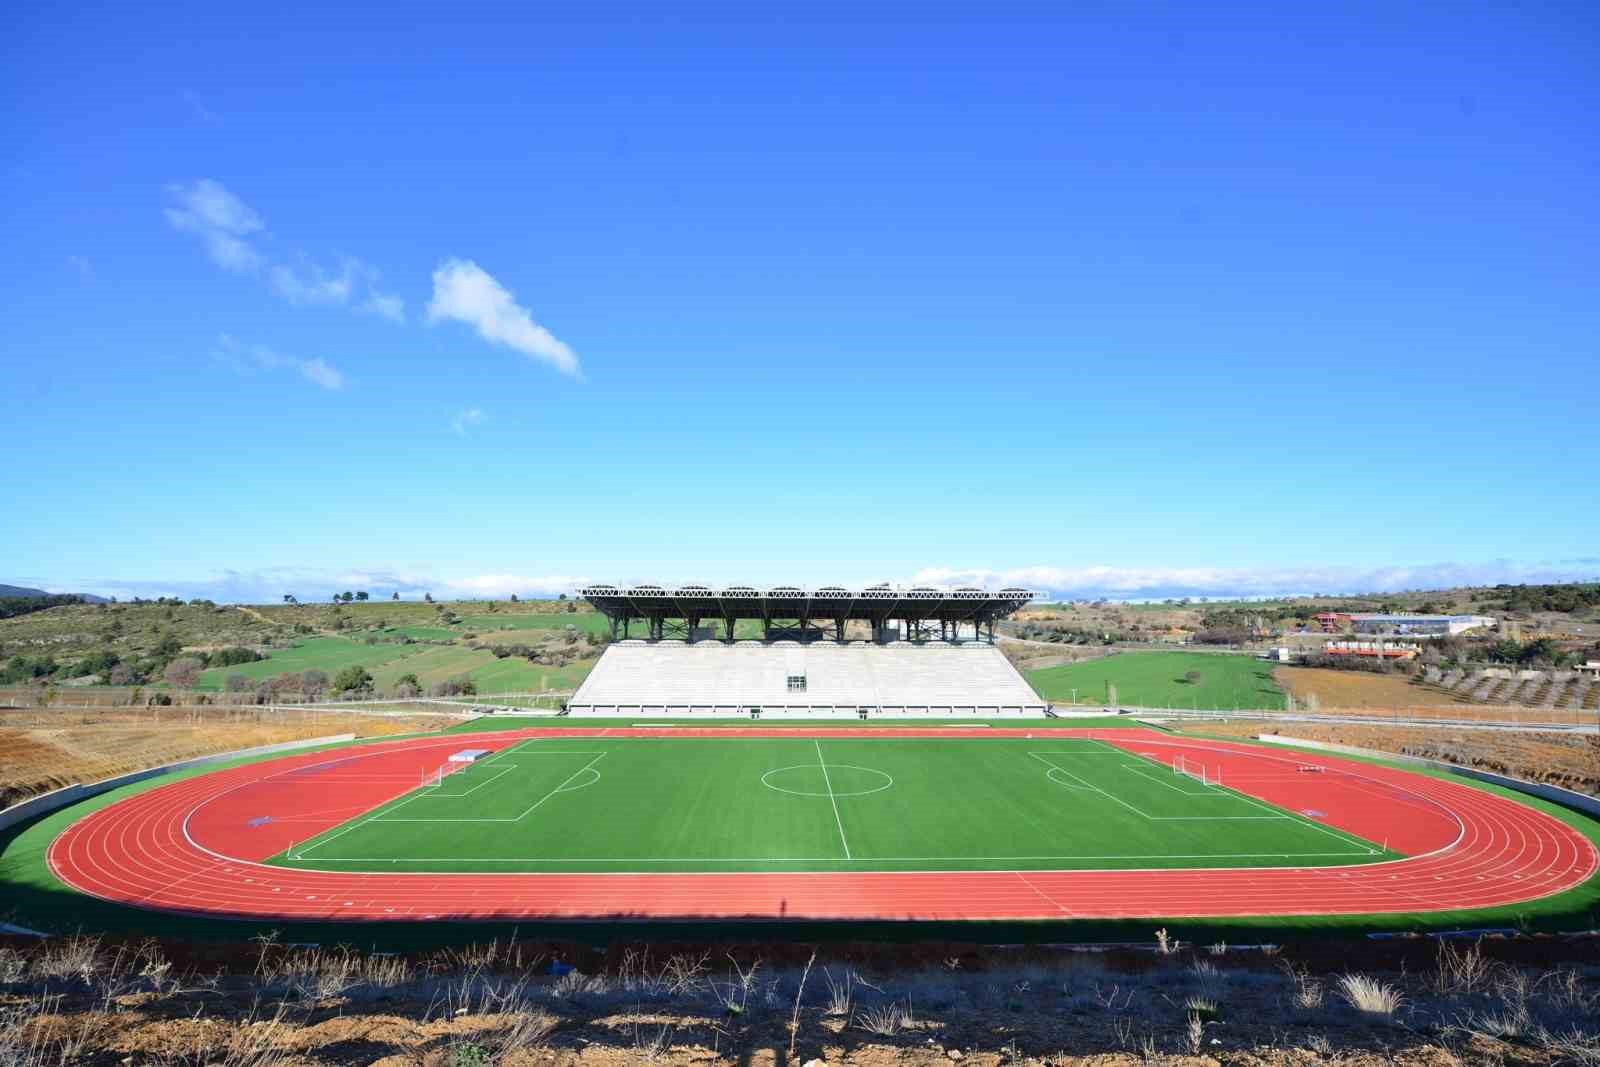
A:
[1308,990]
[683,973]
[649,1046]
[734,994]
[77,958]
[13,965]
[1461,971]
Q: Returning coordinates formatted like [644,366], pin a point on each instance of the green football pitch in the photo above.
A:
[585,804]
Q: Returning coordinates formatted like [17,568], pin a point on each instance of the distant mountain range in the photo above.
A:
[22,590]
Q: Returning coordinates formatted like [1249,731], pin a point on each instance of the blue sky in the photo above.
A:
[1127,298]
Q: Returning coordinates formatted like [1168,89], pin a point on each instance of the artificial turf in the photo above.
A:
[33,897]
[886,803]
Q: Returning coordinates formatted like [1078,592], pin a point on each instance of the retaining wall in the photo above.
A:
[1567,798]
[60,798]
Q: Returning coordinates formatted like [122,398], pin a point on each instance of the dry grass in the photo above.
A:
[1572,762]
[44,749]
[1370,996]
[92,1001]
[1355,689]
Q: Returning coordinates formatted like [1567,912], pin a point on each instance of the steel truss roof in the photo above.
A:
[876,604]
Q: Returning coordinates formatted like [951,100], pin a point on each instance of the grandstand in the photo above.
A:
[805,668]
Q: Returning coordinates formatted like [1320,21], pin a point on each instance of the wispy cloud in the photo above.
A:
[384,305]
[246,357]
[268,585]
[1134,583]
[312,285]
[224,222]
[81,266]
[466,419]
[221,220]
[465,292]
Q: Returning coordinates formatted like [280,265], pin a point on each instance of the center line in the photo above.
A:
[825,781]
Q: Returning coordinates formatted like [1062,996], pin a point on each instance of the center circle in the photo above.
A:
[839,780]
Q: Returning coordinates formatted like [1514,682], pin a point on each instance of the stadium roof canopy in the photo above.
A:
[876,604]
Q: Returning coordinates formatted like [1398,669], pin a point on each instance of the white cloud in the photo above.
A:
[311,286]
[309,584]
[1134,583]
[247,358]
[82,266]
[319,371]
[465,292]
[221,220]
[465,419]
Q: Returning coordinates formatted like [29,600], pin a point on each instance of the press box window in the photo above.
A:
[797,683]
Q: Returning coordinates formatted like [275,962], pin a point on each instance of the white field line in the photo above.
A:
[865,859]
[560,787]
[393,805]
[1281,813]
[828,782]
[1208,793]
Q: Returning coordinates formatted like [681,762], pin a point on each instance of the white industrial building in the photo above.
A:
[1419,625]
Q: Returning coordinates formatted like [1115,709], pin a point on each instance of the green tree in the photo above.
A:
[353,679]
[362,595]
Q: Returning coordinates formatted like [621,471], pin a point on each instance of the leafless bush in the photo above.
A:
[1165,944]
[13,965]
[1572,1046]
[1308,990]
[77,958]
[734,994]
[1461,971]
[1194,1033]
[651,1046]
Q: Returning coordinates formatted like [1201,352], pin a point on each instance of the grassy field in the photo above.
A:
[589,622]
[782,804]
[328,654]
[389,662]
[1159,680]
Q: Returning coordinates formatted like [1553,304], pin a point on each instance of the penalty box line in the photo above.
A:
[1273,815]
[1361,847]
[400,802]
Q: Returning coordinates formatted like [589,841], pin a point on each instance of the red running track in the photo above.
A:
[194,847]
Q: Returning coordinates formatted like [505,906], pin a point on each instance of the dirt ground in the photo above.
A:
[45,749]
[1570,761]
[1355,689]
